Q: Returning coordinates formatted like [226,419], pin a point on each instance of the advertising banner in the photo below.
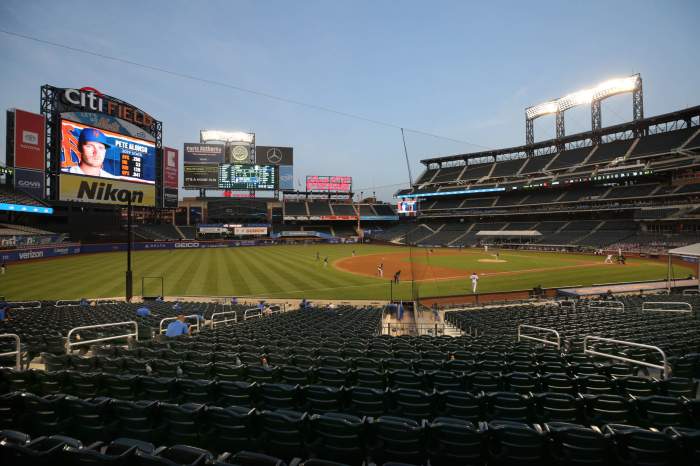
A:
[204,153]
[86,150]
[238,153]
[30,139]
[30,182]
[338,217]
[329,183]
[38,253]
[105,191]
[269,155]
[170,165]
[254,231]
[201,175]
[170,198]
[286,174]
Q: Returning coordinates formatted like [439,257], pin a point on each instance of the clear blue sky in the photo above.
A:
[464,70]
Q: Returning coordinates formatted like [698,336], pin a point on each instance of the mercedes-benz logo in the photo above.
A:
[274,155]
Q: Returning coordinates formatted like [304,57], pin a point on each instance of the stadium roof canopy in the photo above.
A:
[692,250]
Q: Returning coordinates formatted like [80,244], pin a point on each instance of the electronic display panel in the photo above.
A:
[91,151]
[338,184]
[201,175]
[408,208]
[238,176]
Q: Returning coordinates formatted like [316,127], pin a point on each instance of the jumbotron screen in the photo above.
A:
[86,150]
[238,176]
[338,184]
[408,208]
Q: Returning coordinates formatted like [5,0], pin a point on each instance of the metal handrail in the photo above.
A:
[666,370]
[687,306]
[569,304]
[17,352]
[247,316]
[29,305]
[542,329]
[414,328]
[606,305]
[67,303]
[70,344]
[168,319]
[105,301]
[225,320]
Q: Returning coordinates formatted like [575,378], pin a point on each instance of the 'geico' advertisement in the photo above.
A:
[105,191]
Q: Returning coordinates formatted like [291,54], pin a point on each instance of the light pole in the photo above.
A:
[129,277]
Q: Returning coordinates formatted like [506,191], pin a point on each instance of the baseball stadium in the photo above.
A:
[187,303]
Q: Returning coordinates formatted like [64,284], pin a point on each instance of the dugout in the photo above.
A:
[509,235]
[690,253]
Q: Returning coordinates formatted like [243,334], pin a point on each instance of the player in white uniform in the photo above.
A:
[475,280]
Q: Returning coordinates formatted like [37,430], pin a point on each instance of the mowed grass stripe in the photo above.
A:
[152,264]
[57,279]
[243,284]
[214,270]
[314,274]
[318,276]
[290,273]
[91,277]
[236,281]
[320,273]
[256,286]
[287,278]
[187,274]
[262,280]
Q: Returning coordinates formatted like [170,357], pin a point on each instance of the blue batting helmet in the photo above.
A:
[94,135]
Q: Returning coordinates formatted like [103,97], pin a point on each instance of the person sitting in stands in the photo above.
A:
[4,311]
[143,312]
[177,327]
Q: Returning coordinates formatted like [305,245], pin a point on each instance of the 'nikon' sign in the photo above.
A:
[105,191]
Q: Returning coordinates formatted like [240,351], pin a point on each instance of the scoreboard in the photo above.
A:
[338,184]
[240,176]
[131,166]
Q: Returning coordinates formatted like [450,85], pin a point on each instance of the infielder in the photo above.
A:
[475,280]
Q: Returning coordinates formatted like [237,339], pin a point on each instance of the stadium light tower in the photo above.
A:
[592,96]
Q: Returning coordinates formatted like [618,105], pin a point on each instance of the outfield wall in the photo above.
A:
[21,255]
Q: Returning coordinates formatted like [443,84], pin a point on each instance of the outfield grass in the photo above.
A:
[293,272]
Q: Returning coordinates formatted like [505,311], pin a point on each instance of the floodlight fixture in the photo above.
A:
[592,97]
[539,110]
[206,135]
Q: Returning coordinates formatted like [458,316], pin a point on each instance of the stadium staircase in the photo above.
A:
[462,235]
[179,232]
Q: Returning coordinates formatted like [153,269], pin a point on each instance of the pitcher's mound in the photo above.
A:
[492,261]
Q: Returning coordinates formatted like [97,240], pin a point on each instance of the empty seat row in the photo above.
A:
[339,439]
[489,403]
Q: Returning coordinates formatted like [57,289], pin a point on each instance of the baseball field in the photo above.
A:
[295,272]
